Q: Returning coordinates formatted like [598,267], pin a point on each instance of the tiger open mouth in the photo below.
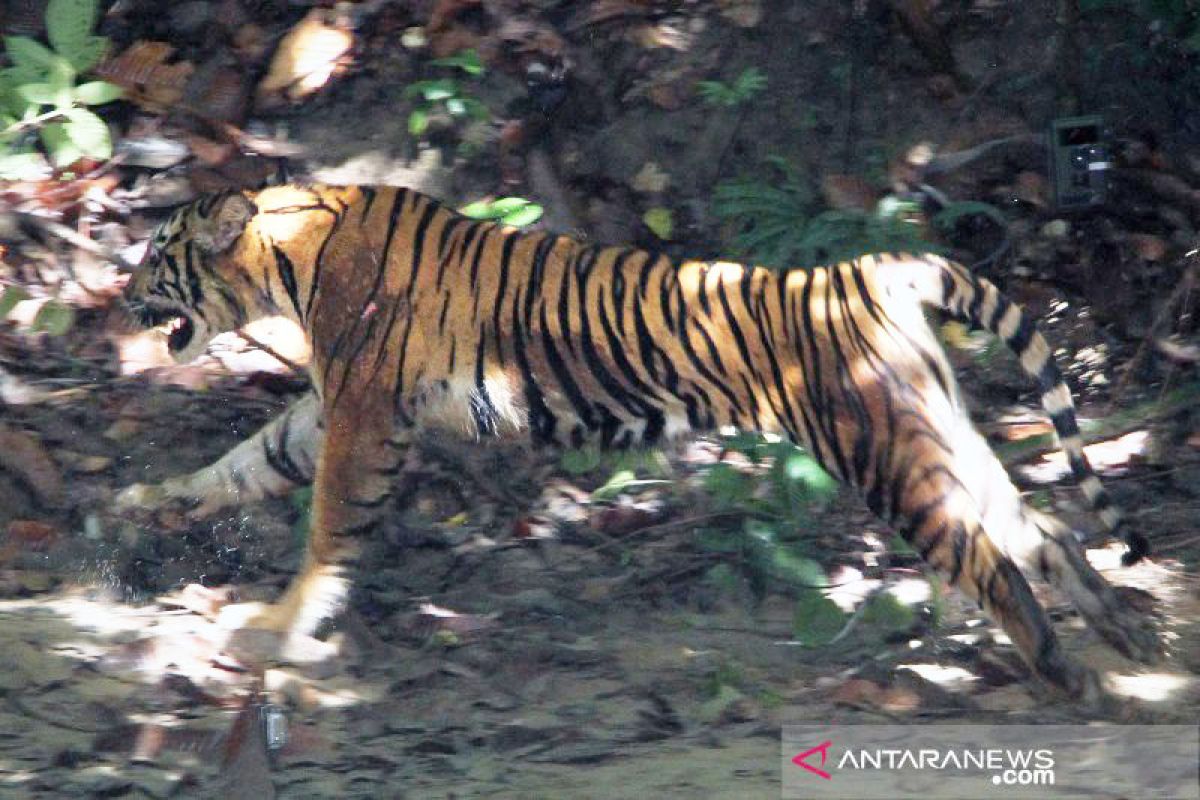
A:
[178,328]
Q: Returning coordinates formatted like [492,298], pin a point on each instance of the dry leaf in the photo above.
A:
[307,57]
[24,456]
[147,79]
[1032,188]
[846,192]
[650,179]
[743,13]
[1148,247]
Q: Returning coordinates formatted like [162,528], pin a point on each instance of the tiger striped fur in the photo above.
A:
[420,318]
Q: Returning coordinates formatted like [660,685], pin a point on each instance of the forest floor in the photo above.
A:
[508,640]
[515,632]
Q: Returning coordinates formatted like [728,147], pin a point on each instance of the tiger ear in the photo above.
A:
[227,221]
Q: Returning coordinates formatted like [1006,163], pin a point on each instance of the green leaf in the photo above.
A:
[723,578]
[475,108]
[794,570]
[28,53]
[614,486]
[54,318]
[61,78]
[433,90]
[456,106]
[40,93]
[800,466]
[525,215]
[728,487]
[89,54]
[886,611]
[581,461]
[504,205]
[468,61]
[89,132]
[69,24]
[816,619]
[418,121]
[23,167]
[62,150]
[480,209]
[97,93]
[10,297]
[661,221]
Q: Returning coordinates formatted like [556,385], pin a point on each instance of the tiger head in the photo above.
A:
[186,283]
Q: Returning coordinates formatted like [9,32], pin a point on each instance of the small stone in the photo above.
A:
[1056,229]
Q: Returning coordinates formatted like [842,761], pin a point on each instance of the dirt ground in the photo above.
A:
[482,660]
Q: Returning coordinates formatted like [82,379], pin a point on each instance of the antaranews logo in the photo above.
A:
[1006,766]
[989,762]
[801,759]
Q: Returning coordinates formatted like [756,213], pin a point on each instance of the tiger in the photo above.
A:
[421,319]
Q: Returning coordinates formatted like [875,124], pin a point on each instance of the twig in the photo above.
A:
[272,352]
[1186,283]
[75,238]
[662,526]
[859,612]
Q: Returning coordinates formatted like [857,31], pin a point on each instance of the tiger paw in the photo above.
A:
[264,632]
[1130,633]
[154,498]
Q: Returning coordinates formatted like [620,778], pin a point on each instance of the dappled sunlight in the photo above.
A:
[1107,455]
[154,644]
[1153,687]
[953,678]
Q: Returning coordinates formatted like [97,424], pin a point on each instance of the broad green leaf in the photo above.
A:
[62,151]
[886,611]
[28,53]
[40,93]
[718,541]
[800,466]
[525,215]
[816,619]
[61,78]
[418,121]
[96,93]
[89,53]
[475,108]
[456,106]
[468,61]
[794,570]
[89,132]
[23,167]
[69,24]
[614,486]
[504,205]
[480,209]
[581,461]
[661,221]
[11,296]
[54,318]
[723,578]
[433,90]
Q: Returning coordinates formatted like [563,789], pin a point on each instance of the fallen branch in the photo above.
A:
[273,353]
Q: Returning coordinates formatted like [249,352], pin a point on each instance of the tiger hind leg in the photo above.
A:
[1044,547]
[941,520]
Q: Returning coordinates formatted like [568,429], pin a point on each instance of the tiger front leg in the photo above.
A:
[279,457]
[360,456]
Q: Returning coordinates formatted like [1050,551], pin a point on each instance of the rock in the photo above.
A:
[1056,229]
